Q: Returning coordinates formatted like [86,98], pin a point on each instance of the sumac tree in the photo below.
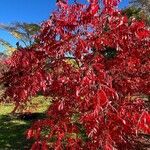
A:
[90,60]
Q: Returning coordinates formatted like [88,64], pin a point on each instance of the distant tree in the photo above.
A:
[144,5]
[133,12]
[23,32]
[9,49]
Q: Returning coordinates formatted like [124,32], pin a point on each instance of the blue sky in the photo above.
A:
[31,11]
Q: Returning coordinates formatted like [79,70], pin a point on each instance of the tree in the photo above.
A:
[91,105]
[144,5]
[23,32]
[9,49]
[134,12]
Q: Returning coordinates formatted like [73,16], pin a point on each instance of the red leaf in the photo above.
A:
[102,98]
[62,3]
[29,133]
[144,122]
[108,147]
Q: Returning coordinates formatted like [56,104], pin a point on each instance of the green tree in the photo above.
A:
[23,32]
[144,6]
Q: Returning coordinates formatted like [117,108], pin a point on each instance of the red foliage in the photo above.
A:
[88,60]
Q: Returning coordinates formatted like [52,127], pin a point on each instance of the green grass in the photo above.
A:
[6,109]
[12,128]
[12,133]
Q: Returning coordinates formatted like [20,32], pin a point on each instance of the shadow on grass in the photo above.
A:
[13,128]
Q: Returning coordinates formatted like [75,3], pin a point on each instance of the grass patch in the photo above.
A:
[13,127]
[12,133]
[6,108]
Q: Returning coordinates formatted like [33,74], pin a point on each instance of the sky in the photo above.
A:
[30,11]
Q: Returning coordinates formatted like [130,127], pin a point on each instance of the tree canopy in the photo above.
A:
[91,100]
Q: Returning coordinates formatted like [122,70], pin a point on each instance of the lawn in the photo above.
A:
[13,126]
